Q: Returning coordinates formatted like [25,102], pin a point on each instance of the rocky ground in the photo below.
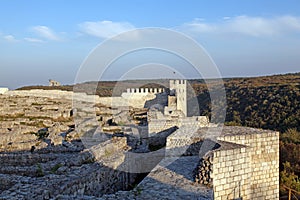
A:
[24,121]
[37,122]
[44,155]
[49,150]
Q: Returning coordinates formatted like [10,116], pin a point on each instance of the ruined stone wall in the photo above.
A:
[53,83]
[158,125]
[172,104]
[185,141]
[31,175]
[94,180]
[263,151]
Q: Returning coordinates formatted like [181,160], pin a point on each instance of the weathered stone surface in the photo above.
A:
[57,133]
[45,156]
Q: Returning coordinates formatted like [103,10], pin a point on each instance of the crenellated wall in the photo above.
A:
[132,98]
[145,90]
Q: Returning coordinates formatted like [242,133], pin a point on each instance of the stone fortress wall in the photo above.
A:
[240,163]
[245,162]
[137,97]
[255,167]
[134,97]
[144,90]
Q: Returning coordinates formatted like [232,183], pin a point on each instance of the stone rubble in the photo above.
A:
[44,155]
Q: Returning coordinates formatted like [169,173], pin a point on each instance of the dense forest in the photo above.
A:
[268,102]
[271,102]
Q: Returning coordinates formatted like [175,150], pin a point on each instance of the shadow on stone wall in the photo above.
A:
[159,101]
[70,170]
[159,140]
[48,172]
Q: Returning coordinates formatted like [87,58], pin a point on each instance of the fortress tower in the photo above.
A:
[178,88]
[53,83]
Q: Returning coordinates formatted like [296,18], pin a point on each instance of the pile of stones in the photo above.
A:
[204,171]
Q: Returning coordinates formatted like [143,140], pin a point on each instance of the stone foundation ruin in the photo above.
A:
[51,150]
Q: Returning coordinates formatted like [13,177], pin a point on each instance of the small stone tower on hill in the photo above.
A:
[53,83]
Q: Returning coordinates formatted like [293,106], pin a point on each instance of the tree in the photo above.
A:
[288,178]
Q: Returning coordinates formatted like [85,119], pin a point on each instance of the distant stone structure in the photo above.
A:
[53,83]
[3,90]
[175,112]
[178,96]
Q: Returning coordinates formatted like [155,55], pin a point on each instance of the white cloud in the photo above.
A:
[34,40]
[10,38]
[199,26]
[105,29]
[46,32]
[290,22]
[252,26]
[245,25]
[226,18]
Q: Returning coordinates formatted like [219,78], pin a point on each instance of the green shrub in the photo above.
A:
[56,167]
[39,171]
[42,133]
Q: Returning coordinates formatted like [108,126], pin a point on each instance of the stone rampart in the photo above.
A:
[232,173]
[245,161]
[132,99]
[260,159]
[144,90]
[42,93]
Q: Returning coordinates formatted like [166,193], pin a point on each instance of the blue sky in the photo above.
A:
[50,39]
